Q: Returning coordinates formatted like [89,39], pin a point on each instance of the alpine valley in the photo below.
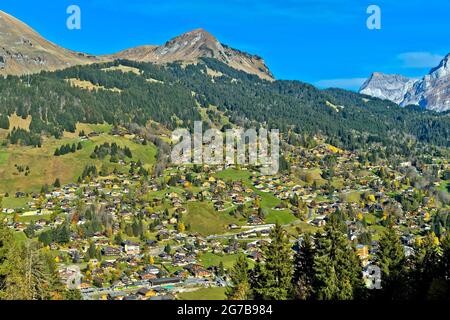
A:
[88,192]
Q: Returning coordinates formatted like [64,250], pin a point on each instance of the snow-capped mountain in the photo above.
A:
[432,92]
[392,87]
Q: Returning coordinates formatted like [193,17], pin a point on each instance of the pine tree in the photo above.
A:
[302,279]
[391,260]
[445,261]
[276,273]
[337,268]
[57,183]
[239,277]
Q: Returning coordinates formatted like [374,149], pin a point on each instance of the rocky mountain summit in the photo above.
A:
[191,46]
[23,51]
[432,92]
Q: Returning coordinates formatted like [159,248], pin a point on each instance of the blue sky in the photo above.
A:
[323,42]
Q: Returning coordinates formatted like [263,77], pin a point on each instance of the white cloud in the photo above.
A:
[420,59]
[350,83]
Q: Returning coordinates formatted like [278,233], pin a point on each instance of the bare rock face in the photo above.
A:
[391,87]
[23,50]
[196,44]
[432,92]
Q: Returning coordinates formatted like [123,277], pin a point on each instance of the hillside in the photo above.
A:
[176,95]
[23,50]
[26,169]
[196,44]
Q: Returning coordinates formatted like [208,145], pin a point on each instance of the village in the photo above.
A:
[129,236]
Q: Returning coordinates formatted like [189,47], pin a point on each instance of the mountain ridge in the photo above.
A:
[25,51]
[431,92]
[195,44]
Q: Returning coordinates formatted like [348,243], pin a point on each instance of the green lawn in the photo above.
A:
[20,236]
[12,202]
[3,157]
[210,259]
[233,174]
[370,218]
[204,219]
[269,201]
[34,218]
[204,294]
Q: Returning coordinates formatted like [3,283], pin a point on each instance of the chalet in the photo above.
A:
[255,255]
[198,271]
[219,205]
[119,295]
[145,275]
[132,248]
[146,293]
[111,251]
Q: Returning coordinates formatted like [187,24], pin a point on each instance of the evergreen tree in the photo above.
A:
[391,260]
[276,272]
[239,277]
[302,280]
[57,183]
[4,122]
[337,268]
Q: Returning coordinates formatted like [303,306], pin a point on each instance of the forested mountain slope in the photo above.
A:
[125,92]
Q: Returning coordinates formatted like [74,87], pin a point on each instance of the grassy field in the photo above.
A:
[204,294]
[20,236]
[205,220]
[233,175]
[45,167]
[4,156]
[268,200]
[17,122]
[210,259]
[13,202]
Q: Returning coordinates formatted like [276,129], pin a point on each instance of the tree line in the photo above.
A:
[326,267]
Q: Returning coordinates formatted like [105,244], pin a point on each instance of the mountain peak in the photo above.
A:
[196,44]
[431,92]
[23,50]
[443,69]
[387,86]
